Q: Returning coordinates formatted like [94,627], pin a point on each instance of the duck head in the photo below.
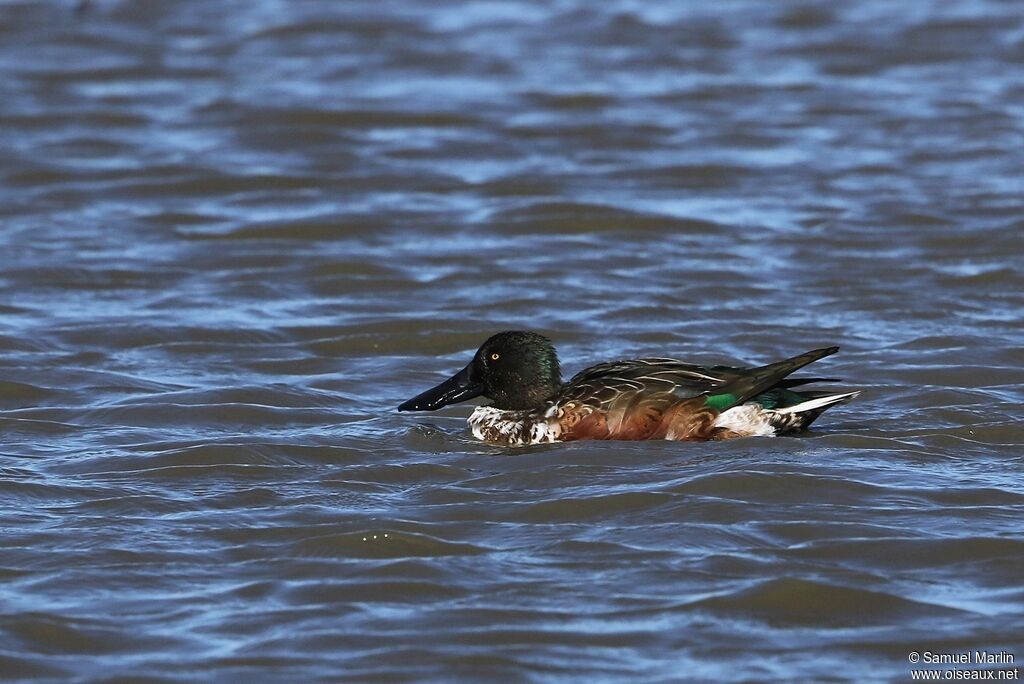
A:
[517,370]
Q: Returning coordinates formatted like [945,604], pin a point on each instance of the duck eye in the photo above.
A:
[495,356]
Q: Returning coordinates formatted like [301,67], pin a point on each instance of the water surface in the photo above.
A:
[236,235]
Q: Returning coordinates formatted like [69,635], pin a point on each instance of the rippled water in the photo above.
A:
[235,235]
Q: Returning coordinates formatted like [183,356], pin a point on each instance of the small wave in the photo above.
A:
[380,544]
[789,600]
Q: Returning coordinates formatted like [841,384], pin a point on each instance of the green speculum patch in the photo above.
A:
[720,402]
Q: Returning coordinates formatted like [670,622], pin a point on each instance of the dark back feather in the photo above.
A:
[620,385]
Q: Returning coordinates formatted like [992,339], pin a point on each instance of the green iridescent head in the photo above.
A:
[516,369]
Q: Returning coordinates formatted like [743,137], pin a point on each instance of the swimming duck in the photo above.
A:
[651,398]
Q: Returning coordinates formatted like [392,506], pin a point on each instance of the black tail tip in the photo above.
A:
[826,351]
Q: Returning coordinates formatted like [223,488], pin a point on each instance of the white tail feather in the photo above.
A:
[819,403]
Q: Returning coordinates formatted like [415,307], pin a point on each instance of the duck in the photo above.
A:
[638,399]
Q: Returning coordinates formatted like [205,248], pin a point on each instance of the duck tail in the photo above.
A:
[801,415]
[757,380]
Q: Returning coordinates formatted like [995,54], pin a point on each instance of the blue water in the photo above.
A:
[236,235]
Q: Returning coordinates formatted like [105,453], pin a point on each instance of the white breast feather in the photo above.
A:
[514,428]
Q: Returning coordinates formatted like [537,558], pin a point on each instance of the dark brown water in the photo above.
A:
[235,235]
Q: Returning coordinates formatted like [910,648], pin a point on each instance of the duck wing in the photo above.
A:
[630,399]
[606,381]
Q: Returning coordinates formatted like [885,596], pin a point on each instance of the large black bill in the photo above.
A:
[457,388]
